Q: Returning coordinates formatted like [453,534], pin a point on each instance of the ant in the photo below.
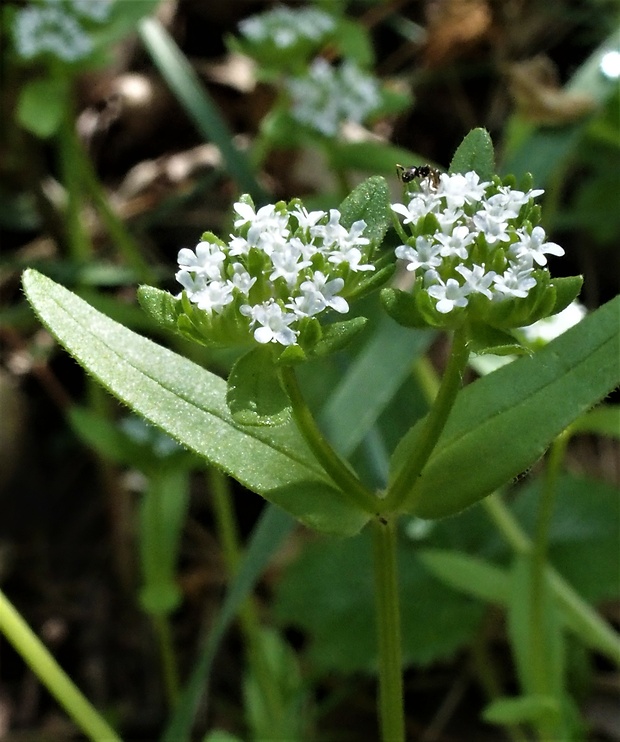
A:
[422,172]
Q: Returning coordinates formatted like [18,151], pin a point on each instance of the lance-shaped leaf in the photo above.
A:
[189,403]
[502,424]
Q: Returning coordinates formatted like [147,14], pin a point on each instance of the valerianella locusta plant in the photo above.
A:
[282,271]
[327,96]
[56,28]
[477,253]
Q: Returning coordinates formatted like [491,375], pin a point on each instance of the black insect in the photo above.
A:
[420,172]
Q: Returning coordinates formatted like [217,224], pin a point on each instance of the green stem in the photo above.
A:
[335,466]
[384,539]
[248,614]
[161,624]
[402,487]
[40,660]
[539,651]
[80,247]
[117,230]
[581,618]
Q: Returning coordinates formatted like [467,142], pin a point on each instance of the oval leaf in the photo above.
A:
[475,153]
[255,396]
[503,423]
[189,403]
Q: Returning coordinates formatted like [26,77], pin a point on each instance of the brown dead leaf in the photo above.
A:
[454,25]
[535,87]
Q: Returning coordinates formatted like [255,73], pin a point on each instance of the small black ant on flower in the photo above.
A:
[420,172]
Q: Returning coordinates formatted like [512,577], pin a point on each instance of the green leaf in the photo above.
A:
[475,153]
[329,593]
[403,308]
[160,305]
[501,424]
[524,709]
[353,41]
[370,201]
[189,403]
[255,395]
[338,335]
[42,105]
[163,511]
[287,691]
[365,390]
[484,339]
[468,574]
[604,420]
[567,290]
[531,634]
[379,158]
[268,534]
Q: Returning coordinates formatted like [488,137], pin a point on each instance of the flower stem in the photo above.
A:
[391,707]
[161,627]
[402,487]
[40,660]
[79,244]
[333,464]
[115,226]
[248,615]
[539,649]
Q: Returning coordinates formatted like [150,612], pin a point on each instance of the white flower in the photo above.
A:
[287,264]
[269,272]
[515,282]
[476,280]
[449,295]
[306,219]
[50,29]
[213,297]
[534,245]
[425,254]
[418,207]
[285,26]
[241,279]
[208,259]
[267,226]
[192,283]
[326,96]
[274,323]
[94,10]
[319,293]
[494,229]
[456,244]
[460,189]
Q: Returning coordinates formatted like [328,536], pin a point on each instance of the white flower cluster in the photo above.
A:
[283,264]
[327,96]
[286,26]
[481,245]
[55,28]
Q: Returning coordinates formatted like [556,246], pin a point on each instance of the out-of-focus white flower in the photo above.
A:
[49,29]
[547,329]
[327,96]
[286,26]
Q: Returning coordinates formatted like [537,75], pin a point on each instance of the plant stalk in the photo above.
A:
[333,464]
[59,684]
[401,489]
[391,705]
